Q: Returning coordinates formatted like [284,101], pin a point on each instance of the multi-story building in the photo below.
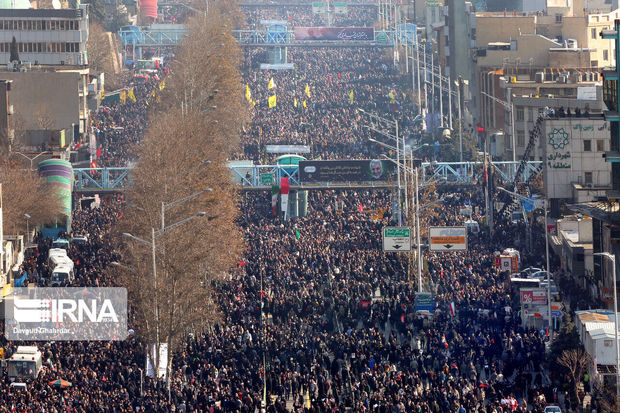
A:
[572,149]
[40,89]
[45,36]
[531,97]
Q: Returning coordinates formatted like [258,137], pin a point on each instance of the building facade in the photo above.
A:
[573,148]
[45,36]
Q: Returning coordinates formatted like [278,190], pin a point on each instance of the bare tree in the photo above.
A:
[98,47]
[24,191]
[181,297]
[576,362]
[44,117]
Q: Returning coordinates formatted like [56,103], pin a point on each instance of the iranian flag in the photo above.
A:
[275,190]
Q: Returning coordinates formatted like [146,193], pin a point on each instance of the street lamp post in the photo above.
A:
[152,244]
[27,227]
[612,258]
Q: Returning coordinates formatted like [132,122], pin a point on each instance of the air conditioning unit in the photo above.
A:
[540,77]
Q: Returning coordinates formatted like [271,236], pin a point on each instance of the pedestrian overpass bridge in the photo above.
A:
[260,177]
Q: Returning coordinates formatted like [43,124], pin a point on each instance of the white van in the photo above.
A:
[26,363]
[63,273]
[55,252]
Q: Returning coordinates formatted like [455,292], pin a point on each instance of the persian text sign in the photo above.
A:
[66,314]
[533,296]
[335,33]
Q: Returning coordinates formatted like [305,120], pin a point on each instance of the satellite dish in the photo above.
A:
[56,4]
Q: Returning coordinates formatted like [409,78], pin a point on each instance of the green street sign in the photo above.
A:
[396,239]
[397,232]
[266,179]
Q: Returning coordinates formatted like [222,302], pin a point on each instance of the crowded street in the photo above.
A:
[315,317]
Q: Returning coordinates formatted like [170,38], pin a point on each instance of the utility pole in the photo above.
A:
[459,96]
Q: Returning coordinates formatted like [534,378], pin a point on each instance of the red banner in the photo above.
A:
[335,33]
[284,186]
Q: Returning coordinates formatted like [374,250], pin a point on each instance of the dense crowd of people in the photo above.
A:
[316,317]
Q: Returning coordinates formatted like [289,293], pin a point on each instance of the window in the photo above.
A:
[587,145]
[558,18]
[520,114]
[520,138]
[587,178]
[593,32]
[605,55]
[600,145]
[608,343]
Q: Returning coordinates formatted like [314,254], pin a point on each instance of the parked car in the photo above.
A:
[527,272]
[553,409]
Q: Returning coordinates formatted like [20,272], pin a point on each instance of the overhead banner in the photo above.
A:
[334,33]
[346,171]
[287,149]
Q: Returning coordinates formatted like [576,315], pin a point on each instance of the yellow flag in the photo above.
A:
[305,104]
[131,96]
[294,102]
[252,103]
[123,96]
[248,93]
[162,84]
[153,94]
[272,101]
[102,94]
[272,84]
[307,90]
[351,97]
[404,96]
[392,99]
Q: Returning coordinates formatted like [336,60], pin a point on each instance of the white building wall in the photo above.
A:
[566,159]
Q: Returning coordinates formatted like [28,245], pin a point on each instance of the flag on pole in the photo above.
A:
[131,96]
[391,95]
[162,84]
[272,101]
[248,94]
[351,97]
[307,90]
[452,309]
[297,234]
[295,102]
[272,84]
[275,190]
[102,94]
[123,97]
[304,103]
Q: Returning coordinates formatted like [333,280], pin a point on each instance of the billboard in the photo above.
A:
[367,170]
[334,33]
[533,296]
[447,238]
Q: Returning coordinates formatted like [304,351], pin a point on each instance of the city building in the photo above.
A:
[572,150]
[572,243]
[35,106]
[530,96]
[45,36]
[596,333]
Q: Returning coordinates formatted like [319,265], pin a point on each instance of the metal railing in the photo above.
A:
[263,176]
